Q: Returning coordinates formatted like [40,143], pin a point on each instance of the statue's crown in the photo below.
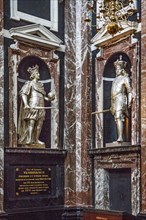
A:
[32,69]
[120,62]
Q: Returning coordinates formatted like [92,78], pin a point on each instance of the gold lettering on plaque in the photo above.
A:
[33,181]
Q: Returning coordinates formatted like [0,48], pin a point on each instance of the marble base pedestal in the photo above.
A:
[118,144]
[96,214]
[73,213]
[141,216]
[34,183]
[3,216]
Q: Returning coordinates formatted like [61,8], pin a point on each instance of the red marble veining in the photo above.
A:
[99,125]
[1,110]
[77,106]
[143,107]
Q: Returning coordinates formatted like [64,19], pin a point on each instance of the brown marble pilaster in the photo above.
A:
[1,110]
[143,108]
[77,106]
[99,68]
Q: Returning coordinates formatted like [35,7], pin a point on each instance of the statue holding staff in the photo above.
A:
[32,110]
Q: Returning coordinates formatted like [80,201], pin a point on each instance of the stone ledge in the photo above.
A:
[141,216]
[115,149]
[118,144]
[107,214]
[73,213]
[35,150]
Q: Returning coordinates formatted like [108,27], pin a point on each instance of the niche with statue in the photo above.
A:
[35,95]
[117,97]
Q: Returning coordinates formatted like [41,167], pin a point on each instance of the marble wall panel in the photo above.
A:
[101,189]
[99,63]
[116,160]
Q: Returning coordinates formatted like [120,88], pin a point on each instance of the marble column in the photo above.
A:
[77,106]
[1,110]
[143,108]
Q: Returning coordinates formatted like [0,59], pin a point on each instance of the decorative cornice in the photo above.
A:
[103,38]
[114,150]
[36,34]
[20,150]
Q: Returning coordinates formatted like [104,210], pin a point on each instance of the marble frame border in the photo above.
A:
[104,192]
[15,56]
[104,159]
[18,15]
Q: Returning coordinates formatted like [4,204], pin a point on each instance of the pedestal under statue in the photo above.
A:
[32,110]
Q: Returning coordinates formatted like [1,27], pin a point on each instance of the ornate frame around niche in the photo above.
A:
[109,130]
[16,53]
[131,48]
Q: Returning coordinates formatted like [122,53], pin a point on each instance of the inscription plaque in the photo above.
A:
[32,181]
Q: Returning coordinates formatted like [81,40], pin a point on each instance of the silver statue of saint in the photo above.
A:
[32,110]
[121,96]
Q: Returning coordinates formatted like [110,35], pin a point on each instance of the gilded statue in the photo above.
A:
[121,96]
[32,109]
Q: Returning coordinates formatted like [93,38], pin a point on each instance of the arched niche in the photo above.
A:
[45,78]
[109,125]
